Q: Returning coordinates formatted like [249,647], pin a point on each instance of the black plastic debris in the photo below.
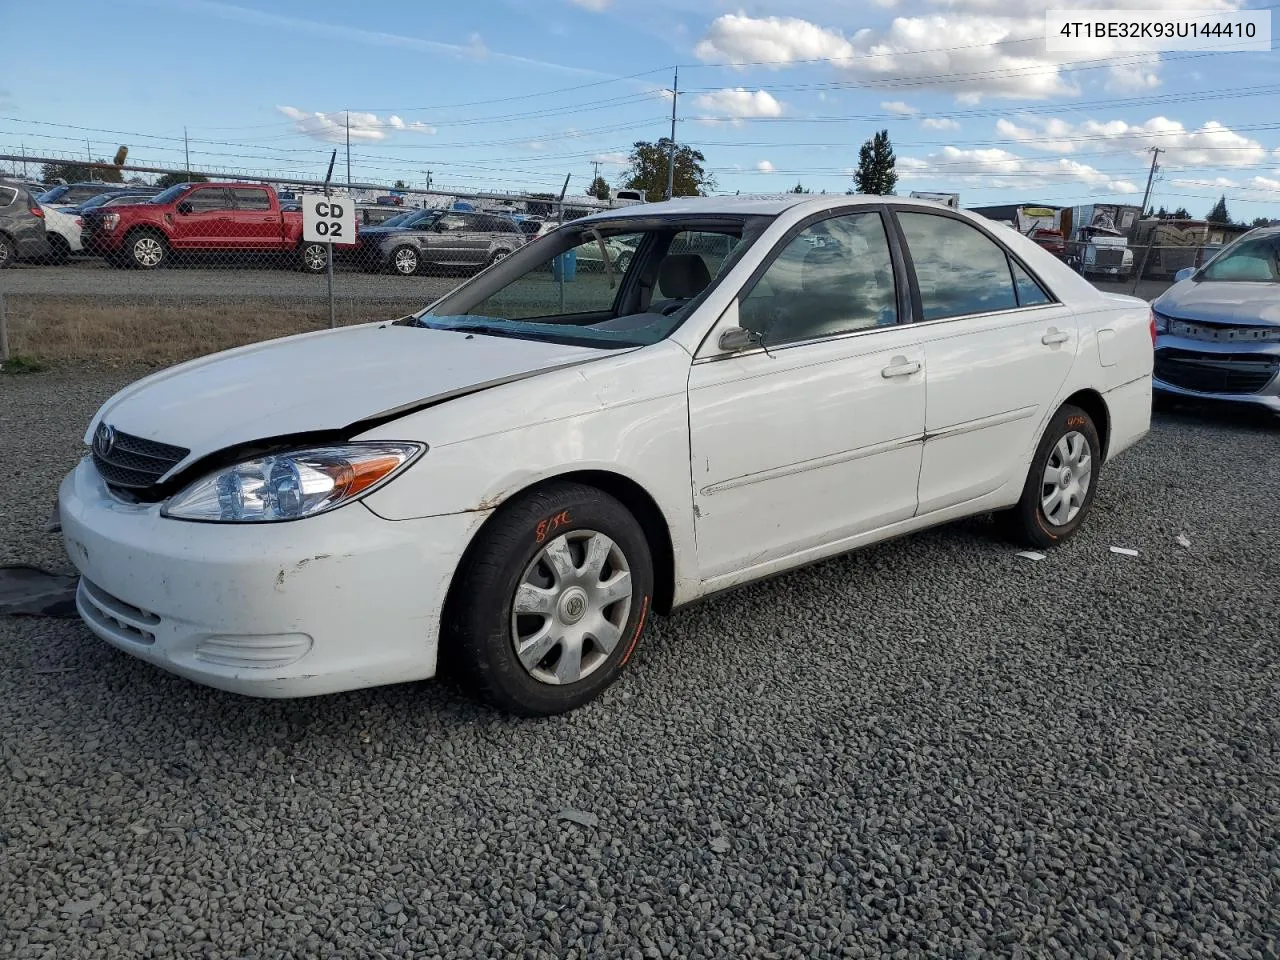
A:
[32,592]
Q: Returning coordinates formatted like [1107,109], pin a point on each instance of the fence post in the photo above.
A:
[1142,267]
[4,330]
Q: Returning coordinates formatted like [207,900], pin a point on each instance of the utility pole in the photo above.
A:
[347,115]
[1155,154]
[671,160]
[186,150]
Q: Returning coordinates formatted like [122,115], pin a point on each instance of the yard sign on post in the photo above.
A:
[328,221]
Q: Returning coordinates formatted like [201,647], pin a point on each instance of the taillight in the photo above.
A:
[79,221]
[110,221]
[37,211]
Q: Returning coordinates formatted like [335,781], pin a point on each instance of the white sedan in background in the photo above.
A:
[513,481]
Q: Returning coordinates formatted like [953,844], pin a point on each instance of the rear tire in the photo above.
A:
[405,261]
[313,257]
[8,252]
[1061,483]
[539,619]
[59,249]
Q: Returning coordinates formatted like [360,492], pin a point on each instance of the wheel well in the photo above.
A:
[1091,402]
[642,506]
[144,228]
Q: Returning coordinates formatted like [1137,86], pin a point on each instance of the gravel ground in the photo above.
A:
[928,749]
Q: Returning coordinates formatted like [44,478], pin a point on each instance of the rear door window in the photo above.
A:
[959,269]
[7,196]
[249,198]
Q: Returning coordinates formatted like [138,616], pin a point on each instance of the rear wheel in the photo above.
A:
[314,257]
[1061,483]
[550,601]
[496,256]
[146,250]
[8,252]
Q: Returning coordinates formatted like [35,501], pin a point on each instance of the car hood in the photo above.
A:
[321,382]
[1222,302]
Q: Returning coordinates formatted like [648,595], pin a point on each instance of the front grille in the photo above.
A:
[1222,332]
[134,463]
[1110,258]
[1215,372]
[112,615]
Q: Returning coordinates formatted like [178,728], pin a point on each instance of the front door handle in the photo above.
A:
[901,367]
[1055,336]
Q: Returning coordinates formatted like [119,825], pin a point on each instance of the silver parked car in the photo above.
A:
[453,239]
[1218,327]
[22,227]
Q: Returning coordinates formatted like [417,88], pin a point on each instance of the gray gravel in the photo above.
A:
[931,748]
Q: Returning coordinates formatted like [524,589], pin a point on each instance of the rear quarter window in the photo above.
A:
[7,196]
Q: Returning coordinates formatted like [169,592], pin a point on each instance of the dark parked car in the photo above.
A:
[22,233]
[450,240]
[74,194]
[112,198]
[1218,327]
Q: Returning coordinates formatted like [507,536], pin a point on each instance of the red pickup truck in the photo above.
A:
[200,218]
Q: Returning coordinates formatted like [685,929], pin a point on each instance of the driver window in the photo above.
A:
[835,277]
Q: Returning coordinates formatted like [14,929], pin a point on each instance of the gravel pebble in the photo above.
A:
[931,748]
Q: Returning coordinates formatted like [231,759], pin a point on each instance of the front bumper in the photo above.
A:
[1247,373]
[335,602]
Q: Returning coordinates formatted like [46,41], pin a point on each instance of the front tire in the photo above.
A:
[550,601]
[59,249]
[1061,483]
[8,252]
[405,261]
[146,250]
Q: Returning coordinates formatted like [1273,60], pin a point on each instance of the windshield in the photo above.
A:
[650,275]
[173,193]
[54,195]
[402,219]
[97,201]
[1254,260]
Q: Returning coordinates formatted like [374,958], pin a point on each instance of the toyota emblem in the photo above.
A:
[104,440]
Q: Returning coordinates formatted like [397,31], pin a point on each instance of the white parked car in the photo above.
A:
[63,230]
[513,481]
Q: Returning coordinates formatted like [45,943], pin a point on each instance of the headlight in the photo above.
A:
[289,486]
[1161,322]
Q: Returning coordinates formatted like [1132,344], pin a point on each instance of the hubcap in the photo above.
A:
[147,251]
[315,257]
[4,252]
[572,602]
[1066,479]
[406,262]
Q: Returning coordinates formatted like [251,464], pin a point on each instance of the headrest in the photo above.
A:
[683,276]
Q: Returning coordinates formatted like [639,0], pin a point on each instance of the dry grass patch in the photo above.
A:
[165,331]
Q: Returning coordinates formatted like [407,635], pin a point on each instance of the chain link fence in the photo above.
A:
[131,272]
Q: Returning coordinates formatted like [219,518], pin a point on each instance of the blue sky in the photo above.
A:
[514,94]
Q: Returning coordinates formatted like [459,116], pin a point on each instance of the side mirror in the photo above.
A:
[184,206]
[437,228]
[737,338]
[1186,273]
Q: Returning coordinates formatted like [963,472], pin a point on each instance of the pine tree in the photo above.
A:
[875,173]
[599,188]
[1219,212]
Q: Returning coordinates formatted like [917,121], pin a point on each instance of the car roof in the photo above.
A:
[756,204]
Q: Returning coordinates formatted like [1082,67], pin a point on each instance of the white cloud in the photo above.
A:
[614,158]
[1264,183]
[365,127]
[1000,168]
[1210,145]
[1225,183]
[736,104]
[972,48]
[536,145]
[939,123]
[594,6]
[764,166]
[898,107]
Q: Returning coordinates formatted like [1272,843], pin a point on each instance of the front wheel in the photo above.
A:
[8,252]
[497,256]
[1060,484]
[146,250]
[405,261]
[314,257]
[550,601]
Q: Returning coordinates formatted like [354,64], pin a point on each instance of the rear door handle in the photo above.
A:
[901,367]
[1055,336]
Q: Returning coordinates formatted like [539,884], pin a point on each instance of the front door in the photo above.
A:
[816,437]
[207,220]
[257,225]
[998,350]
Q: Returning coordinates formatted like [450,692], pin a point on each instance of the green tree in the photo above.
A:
[875,173]
[599,188]
[1182,213]
[79,173]
[799,189]
[400,185]
[1262,222]
[648,170]
[1219,212]
[170,179]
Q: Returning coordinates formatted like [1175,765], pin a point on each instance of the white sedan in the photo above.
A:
[513,481]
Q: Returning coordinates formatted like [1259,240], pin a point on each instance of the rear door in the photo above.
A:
[446,239]
[998,348]
[257,224]
[204,221]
